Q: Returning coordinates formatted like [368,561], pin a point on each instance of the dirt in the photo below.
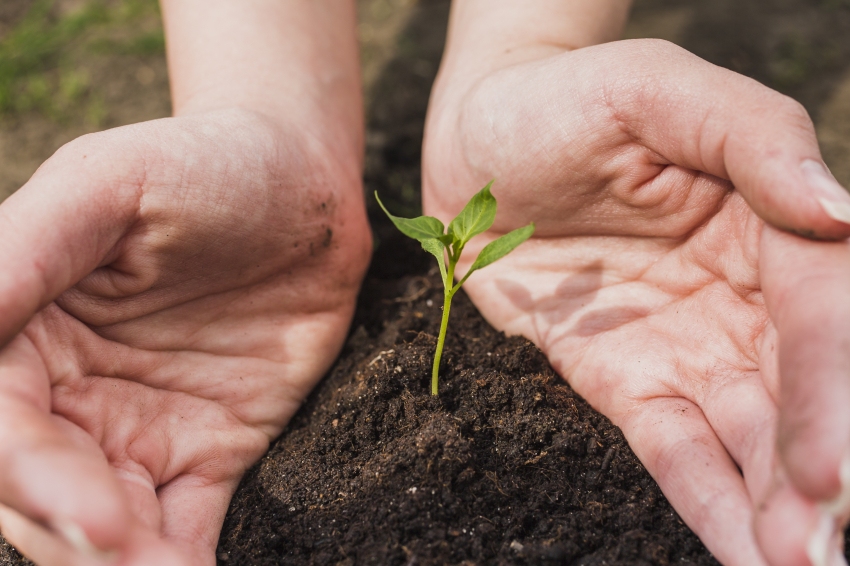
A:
[507,465]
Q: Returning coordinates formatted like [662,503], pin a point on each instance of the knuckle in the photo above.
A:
[77,157]
[99,162]
[794,113]
[78,148]
[658,46]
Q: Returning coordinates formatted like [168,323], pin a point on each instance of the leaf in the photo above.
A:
[476,217]
[500,247]
[447,239]
[419,228]
[437,249]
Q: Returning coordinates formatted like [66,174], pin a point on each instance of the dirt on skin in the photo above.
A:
[507,465]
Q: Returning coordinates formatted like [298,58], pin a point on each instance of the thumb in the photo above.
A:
[64,223]
[706,118]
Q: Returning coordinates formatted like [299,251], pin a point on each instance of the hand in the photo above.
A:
[193,278]
[653,283]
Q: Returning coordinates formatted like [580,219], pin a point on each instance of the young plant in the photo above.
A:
[476,217]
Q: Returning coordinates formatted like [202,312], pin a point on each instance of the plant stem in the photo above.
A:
[441,339]
[448,293]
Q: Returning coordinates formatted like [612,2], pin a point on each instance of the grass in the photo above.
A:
[39,57]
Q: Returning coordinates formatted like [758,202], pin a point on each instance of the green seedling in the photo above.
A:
[476,217]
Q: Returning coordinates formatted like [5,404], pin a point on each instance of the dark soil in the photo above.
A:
[507,466]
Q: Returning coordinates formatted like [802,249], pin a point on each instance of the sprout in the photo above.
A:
[476,217]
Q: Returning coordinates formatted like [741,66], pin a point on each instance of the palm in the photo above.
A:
[207,323]
[689,310]
[642,283]
[669,338]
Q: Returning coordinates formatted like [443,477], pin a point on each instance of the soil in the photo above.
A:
[508,465]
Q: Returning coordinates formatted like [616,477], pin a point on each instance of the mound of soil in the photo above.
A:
[506,466]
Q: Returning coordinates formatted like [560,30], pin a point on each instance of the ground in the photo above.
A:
[68,67]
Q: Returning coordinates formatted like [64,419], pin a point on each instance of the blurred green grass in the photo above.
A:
[39,69]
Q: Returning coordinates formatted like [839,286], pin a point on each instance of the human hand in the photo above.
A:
[193,278]
[655,287]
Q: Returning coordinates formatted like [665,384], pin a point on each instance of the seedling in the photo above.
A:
[476,217]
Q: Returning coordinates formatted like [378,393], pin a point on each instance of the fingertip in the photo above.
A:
[814,467]
[824,544]
[67,543]
[838,211]
[799,195]
[75,536]
[73,495]
[788,526]
[772,157]
[840,504]
[84,503]
[832,199]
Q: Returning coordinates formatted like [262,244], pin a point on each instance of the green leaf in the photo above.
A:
[447,239]
[500,247]
[437,249]
[419,228]
[476,217]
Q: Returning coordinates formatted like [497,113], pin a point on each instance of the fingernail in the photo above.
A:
[834,199]
[836,210]
[821,547]
[840,506]
[77,538]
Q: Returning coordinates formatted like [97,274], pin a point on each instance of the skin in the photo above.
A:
[657,282]
[172,290]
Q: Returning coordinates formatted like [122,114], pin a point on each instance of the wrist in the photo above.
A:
[295,62]
[488,35]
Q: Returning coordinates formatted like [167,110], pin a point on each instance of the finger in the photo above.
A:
[789,527]
[656,128]
[805,286]
[62,224]
[792,530]
[679,449]
[710,119]
[47,548]
[193,511]
[50,470]
[140,493]
[743,415]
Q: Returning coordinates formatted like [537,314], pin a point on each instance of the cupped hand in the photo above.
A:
[658,281]
[171,291]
